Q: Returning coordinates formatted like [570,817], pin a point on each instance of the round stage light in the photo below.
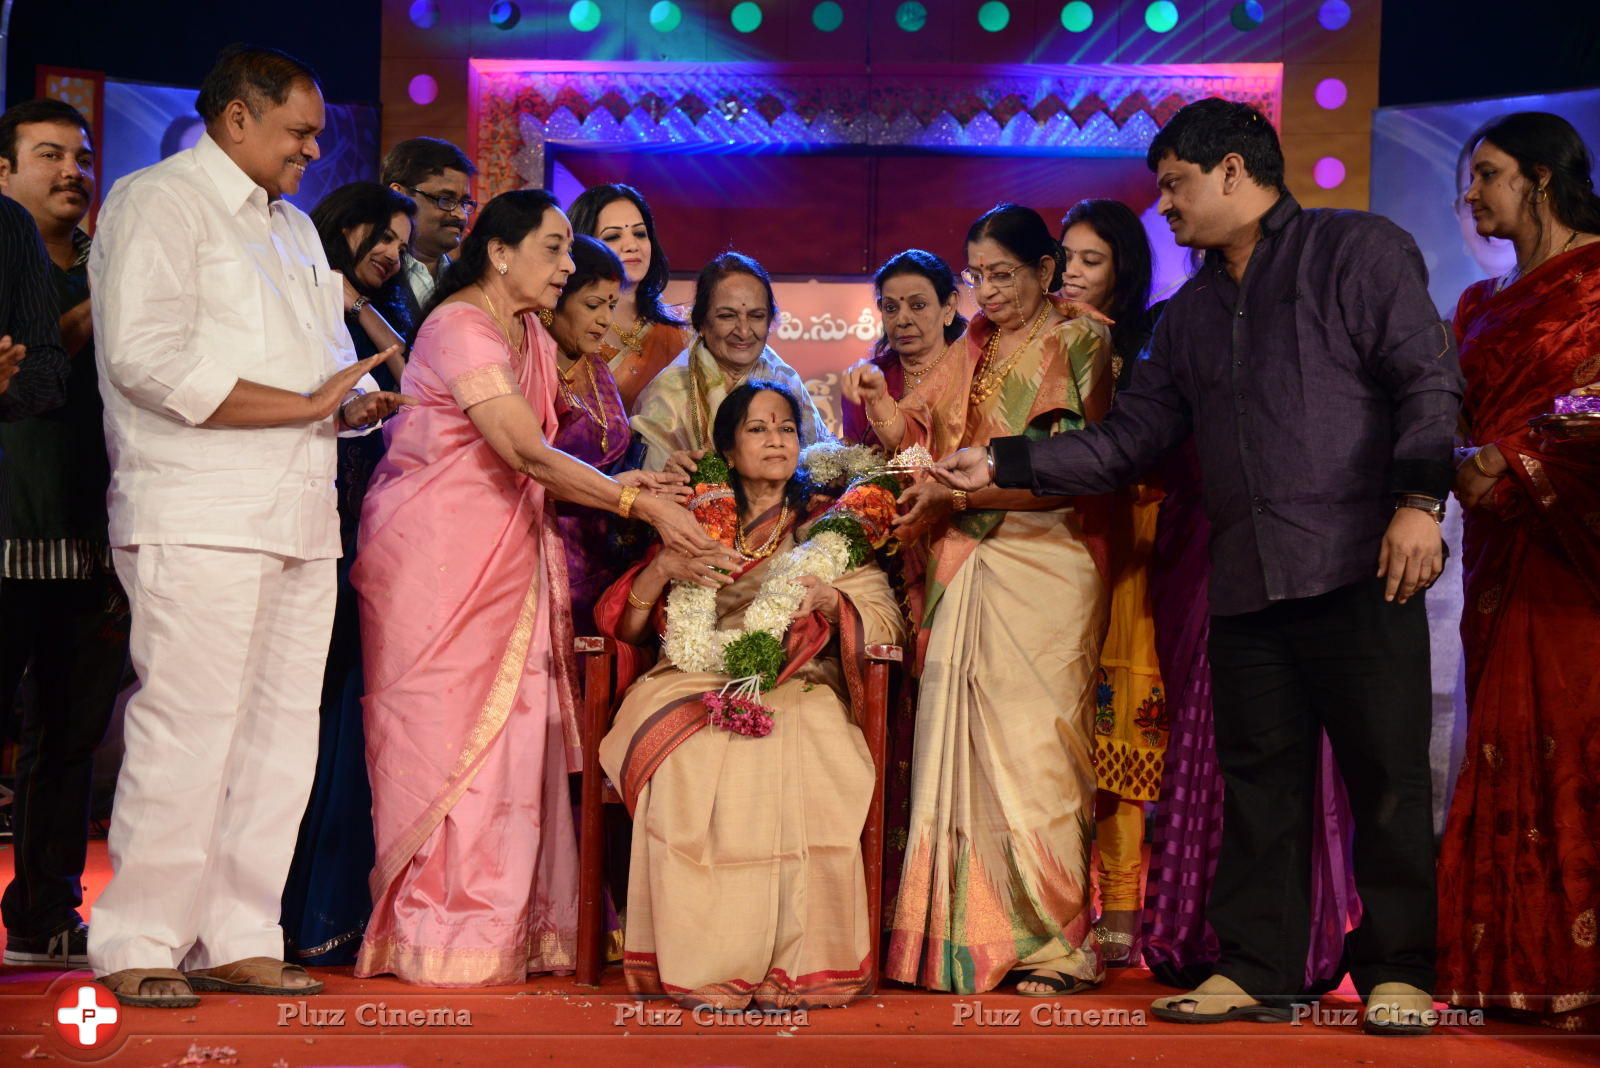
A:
[1161,16]
[1077,16]
[1331,94]
[665,16]
[584,16]
[422,90]
[1246,16]
[504,15]
[1334,15]
[1329,172]
[994,16]
[827,16]
[424,14]
[911,16]
[746,17]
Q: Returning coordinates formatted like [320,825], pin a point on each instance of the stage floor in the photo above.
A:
[368,1022]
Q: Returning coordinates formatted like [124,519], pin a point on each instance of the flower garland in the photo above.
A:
[753,655]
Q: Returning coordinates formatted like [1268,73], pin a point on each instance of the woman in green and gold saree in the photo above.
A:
[996,877]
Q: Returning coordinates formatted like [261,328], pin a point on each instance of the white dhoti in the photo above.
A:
[221,737]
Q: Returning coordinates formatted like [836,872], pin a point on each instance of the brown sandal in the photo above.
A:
[126,984]
[253,975]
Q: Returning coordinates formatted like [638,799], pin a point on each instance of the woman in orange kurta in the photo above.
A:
[1519,874]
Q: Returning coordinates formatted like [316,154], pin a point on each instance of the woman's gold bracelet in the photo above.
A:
[643,606]
[885,423]
[1477,462]
[625,502]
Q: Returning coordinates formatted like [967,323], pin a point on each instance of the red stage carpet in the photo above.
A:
[370,1022]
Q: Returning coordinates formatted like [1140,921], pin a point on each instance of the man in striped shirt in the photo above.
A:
[61,607]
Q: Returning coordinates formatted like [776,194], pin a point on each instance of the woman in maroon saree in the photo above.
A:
[1519,876]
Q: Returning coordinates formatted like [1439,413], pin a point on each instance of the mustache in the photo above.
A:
[70,187]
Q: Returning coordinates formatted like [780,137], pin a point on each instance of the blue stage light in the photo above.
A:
[424,14]
[1246,16]
[504,15]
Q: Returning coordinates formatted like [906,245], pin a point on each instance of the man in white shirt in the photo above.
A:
[437,175]
[227,375]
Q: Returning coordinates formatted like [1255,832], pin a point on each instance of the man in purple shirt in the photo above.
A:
[1309,363]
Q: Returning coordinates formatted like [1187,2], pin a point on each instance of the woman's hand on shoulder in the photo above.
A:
[820,597]
[708,569]
[683,462]
[669,484]
[1077,309]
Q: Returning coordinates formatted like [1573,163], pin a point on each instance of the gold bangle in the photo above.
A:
[958,500]
[1477,463]
[643,606]
[885,423]
[625,502]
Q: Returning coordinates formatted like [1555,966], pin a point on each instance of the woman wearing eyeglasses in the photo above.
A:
[996,876]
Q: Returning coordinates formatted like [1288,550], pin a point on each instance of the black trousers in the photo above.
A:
[1351,664]
[72,635]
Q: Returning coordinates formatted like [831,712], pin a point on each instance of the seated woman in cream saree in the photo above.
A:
[996,875]
[746,884]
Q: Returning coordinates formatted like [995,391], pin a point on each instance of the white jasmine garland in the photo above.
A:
[694,643]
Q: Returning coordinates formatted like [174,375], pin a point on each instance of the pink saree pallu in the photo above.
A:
[468,714]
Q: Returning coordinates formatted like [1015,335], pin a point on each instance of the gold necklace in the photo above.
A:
[767,547]
[630,338]
[915,377]
[501,323]
[1516,273]
[597,414]
[989,378]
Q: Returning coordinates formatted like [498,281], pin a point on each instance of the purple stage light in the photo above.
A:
[423,90]
[1329,172]
[1331,94]
[1334,14]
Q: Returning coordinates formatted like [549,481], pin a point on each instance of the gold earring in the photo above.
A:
[1541,194]
[502,268]
[547,317]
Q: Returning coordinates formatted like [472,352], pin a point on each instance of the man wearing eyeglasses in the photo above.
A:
[435,174]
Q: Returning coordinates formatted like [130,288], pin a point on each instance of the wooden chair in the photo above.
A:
[596,660]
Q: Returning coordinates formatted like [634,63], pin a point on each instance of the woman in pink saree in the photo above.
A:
[468,712]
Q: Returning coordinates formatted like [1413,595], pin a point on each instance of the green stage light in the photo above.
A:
[584,15]
[911,16]
[994,16]
[827,16]
[1161,16]
[665,16]
[1247,15]
[1077,16]
[746,17]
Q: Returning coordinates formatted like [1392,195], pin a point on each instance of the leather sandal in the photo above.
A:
[253,975]
[1167,1009]
[1059,984]
[126,984]
[1386,1018]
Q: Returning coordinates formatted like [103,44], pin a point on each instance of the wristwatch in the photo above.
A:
[988,455]
[1423,503]
[357,304]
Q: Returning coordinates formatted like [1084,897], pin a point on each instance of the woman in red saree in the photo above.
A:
[1519,877]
